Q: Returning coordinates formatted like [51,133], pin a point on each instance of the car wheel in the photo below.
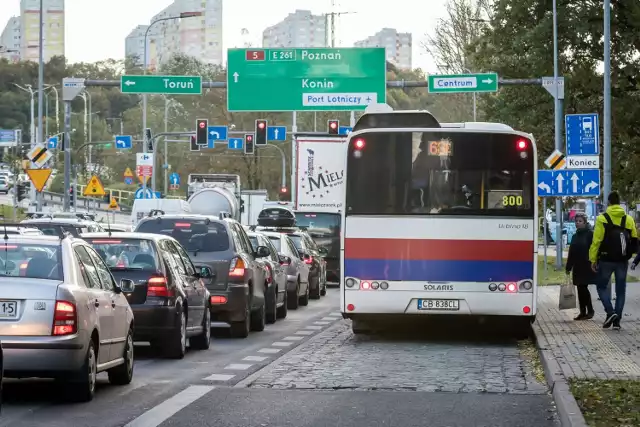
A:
[203,341]
[123,374]
[281,312]
[259,319]
[84,385]
[304,299]
[241,329]
[323,292]
[314,292]
[293,301]
[272,300]
[177,345]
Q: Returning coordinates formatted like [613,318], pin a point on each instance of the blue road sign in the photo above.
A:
[128,180]
[276,133]
[569,182]
[174,179]
[235,144]
[7,136]
[52,142]
[144,193]
[123,142]
[217,133]
[344,130]
[582,132]
[156,195]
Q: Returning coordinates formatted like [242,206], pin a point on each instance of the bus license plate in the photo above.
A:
[8,309]
[438,304]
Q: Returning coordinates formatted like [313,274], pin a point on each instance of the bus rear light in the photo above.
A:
[359,144]
[350,283]
[375,285]
[526,285]
[365,285]
[351,307]
[526,309]
[511,287]
[522,144]
[384,285]
[493,287]
[502,287]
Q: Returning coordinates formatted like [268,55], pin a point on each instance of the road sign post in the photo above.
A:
[169,85]
[314,79]
[461,83]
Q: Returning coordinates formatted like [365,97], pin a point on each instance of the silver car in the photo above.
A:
[5,185]
[62,314]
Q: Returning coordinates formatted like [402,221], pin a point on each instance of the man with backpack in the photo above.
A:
[615,239]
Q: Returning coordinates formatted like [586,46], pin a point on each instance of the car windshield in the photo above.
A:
[195,235]
[134,254]
[319,224]
[35,261]
[276,242]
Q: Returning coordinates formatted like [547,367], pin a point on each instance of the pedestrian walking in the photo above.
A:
[615,240]
[579,266]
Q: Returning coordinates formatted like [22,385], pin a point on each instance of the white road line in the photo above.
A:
[255,358]
[270,350]
[281,344]
[165,410]
[315,328]
[336,314]
[304,333]
[219,377]
[321,323]
[330,319]
[239,366]
[292,338]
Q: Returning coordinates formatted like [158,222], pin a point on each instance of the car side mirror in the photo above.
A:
[127,285]
[205,272]
[262,252]
[284,260]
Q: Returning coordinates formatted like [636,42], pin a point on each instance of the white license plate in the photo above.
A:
[8,309]
[438,304]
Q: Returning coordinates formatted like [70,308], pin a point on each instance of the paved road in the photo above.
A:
[308,370]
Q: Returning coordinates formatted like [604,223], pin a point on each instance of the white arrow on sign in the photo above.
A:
[590,186]
[574,181]
[235,77]
[129,83]
[214,134]
[544,186]
[487,81]
[120,142]
[275,133]
[560,180]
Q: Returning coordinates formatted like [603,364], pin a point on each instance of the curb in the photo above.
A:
[568,409]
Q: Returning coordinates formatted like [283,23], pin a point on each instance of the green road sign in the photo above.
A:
[170,85]
[457,83]
[315,79]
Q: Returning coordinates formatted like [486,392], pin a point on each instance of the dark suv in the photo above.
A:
[239,279]
[170,302]
[314,257]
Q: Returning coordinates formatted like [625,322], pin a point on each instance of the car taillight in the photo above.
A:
[269,273]
[308,260]
[236,268]
[285,263]
[23,269]
[65,319]
[158,287]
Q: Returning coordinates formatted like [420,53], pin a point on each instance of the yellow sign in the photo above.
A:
[128,173]
[39,177]
[94,188]
[113,204]
[144,179]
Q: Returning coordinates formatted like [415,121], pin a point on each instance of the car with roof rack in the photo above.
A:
[17,228]
[63,316]
[51,226]
[238,281]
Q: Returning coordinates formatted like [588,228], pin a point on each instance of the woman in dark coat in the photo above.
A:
[578,264]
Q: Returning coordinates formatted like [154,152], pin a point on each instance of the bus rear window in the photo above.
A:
[440,173]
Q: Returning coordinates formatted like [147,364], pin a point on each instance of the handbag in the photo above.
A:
[567,299]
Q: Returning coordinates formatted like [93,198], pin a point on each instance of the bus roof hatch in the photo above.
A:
[478,126]
[376,117]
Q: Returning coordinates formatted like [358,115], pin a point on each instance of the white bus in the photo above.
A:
[439,219]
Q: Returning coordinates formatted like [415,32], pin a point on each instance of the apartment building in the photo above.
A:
[398,46]
[298,29]
[134,44]
[10,40]
[53,30]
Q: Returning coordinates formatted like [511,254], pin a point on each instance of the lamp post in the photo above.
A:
[86,94]
[183,15]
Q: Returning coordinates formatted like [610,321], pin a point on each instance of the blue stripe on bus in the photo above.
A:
[439,271]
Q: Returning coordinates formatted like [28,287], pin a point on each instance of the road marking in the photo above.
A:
[331,319]
[255,358]
[304,333]
[336,314]
[165,410]
[292,338]
[321,323]
[315,328]
[239,366]
[281,344]
[218,377]
[270,350]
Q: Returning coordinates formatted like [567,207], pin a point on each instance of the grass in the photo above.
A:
[6,212]
[606,403]
[554,277]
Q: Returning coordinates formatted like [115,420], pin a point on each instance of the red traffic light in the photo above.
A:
[261,125]
[202,125]
[284,190]
[333,125]
[249,138]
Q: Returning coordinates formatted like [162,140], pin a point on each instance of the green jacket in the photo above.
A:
[615,212]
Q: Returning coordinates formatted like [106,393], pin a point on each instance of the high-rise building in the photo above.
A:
[299,29]
[10,40]
[398,46]
[53,31]
[200,36]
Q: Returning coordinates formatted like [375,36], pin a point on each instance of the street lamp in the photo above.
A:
[183,15]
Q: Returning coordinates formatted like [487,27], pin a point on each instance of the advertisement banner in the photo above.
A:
[320,174]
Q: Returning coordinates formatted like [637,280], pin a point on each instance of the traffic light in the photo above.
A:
[202,131]
[334,127]
[194,144]
[249,147]
[261,132]
[23,191]
[71,195]
[284,193]
[147,136]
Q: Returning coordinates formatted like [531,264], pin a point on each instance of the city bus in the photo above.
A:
[440,219]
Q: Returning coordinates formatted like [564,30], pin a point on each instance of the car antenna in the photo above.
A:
[108,225]
[6,249]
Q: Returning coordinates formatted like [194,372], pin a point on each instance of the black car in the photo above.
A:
[239,280]
[324,229]
[170,302]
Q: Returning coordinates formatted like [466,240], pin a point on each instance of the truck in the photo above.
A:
[215,194]
[252,203]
